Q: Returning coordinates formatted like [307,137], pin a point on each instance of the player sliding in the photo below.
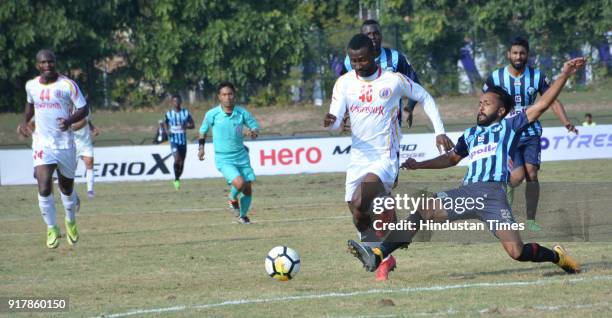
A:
[488,146]
[51,97]
[371,97]
[231,157]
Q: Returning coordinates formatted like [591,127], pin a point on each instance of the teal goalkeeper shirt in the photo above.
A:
[227,132]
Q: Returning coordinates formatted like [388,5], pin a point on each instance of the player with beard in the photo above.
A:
[523,83]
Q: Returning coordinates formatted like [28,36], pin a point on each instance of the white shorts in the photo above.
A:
[65,159]
[386,169]
[84,149]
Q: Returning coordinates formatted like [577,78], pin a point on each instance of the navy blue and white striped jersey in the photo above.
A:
[176,123]
[523,89]
[489,148]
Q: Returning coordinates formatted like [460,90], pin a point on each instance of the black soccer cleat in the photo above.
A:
[365,254]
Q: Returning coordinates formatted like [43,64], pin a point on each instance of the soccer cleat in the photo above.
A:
[566,262]
[533,226]
[72,234]
[386,266]
[366,255]
[53,236]
[244,220]
[177,185]
[234,206]
[90,194]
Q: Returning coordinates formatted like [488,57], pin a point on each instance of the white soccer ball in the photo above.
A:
[282,263]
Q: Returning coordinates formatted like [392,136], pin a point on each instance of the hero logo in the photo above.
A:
[288,156]
[482,151]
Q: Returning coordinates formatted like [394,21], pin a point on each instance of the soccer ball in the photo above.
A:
[282,263]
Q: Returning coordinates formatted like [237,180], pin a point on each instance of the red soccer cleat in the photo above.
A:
[387,265]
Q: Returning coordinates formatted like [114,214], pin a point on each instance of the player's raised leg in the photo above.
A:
[534,252]
[361,208]
[532,195]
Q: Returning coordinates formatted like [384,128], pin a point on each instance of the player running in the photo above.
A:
[83,130]
[177,120]
[231,156]
[523,83]
[371,97]
[488,145]
[50,99]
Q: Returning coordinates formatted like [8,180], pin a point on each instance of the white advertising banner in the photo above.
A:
[286,156]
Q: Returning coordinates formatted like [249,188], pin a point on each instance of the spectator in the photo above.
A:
[588,120]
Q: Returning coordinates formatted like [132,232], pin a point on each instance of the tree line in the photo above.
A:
[135,52]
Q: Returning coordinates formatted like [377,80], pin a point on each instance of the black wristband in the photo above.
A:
[201,141]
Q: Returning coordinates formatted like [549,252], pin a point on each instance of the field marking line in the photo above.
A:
[434,288]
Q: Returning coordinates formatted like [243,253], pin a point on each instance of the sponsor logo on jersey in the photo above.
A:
[496,128]
[482,151]
[377,110]
[385,93]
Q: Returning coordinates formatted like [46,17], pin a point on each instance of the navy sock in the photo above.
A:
[533,252]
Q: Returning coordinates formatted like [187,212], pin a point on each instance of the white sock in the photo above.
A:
[69,202]
[47,209]
[89,176]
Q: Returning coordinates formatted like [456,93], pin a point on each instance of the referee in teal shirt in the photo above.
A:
[231,157]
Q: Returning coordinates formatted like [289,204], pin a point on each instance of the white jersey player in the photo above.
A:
[371,98]
[83,131]
[50,100]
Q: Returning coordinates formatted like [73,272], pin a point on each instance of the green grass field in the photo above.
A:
[149,251]
[458,112]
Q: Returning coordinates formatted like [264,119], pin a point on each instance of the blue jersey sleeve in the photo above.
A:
[488,83]
[461,147]
[250,121]
[206,123]
[518,122]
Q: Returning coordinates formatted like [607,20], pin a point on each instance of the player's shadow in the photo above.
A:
[555,271]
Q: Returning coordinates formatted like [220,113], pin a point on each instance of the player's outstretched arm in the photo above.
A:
[559,110]
[446,160]
[416,92]
[24,127]
[569,68]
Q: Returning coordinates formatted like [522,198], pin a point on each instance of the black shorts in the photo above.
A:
[484,201]
[180,149]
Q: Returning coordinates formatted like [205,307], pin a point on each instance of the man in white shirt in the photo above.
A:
[371,97]
[50,100]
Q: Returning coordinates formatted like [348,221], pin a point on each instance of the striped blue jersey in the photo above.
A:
[176,123]
[490,148]
[524,89]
